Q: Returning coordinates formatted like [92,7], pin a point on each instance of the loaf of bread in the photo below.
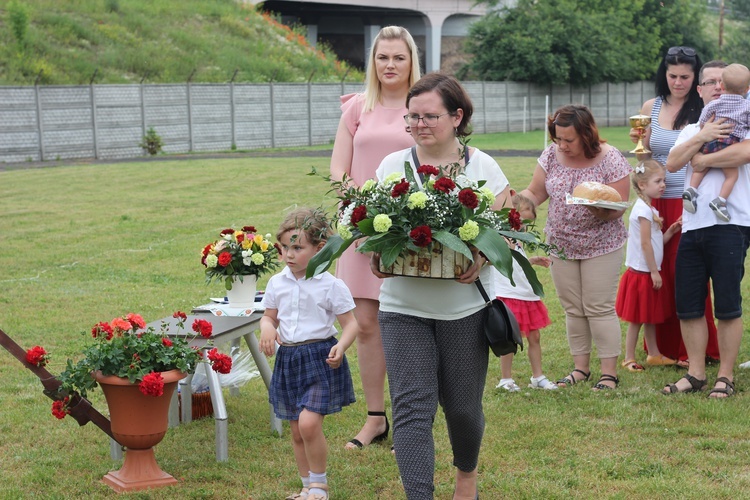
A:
[596,191]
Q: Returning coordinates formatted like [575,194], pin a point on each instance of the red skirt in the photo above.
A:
[668,334]
[531,314]
[638,302]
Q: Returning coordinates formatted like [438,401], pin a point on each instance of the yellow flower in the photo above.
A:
[417,200]
[381,223]
[264,246]
[257,258]
[468,231]
[258,239]
[368,185]
[487,196]
[246,244]
[211,260]
[344,232]
[393,177]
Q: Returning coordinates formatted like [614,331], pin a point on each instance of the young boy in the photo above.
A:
[311,376]
[732,105]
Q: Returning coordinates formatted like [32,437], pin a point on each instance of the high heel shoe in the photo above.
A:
[380,437]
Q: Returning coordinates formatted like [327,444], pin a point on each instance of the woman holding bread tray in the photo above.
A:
[591,238]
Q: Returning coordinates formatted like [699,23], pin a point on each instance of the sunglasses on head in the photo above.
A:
[687,51]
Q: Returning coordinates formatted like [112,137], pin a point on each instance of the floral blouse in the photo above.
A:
[573,228]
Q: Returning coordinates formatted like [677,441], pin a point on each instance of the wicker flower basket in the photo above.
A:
[202,406]
[438,263]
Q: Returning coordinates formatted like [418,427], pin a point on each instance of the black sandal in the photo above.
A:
[728,389]
[599,386]
[696,385]
[570,379]
[380,437]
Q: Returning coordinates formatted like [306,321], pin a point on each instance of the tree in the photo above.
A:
[581,42]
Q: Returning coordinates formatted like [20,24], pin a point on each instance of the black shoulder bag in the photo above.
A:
[500,326]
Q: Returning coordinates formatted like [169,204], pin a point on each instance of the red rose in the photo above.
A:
[445,184]
[228,231]
[225,258]
[249,229]
[468,198]
[220,362]
[421,236]
[179,314]
[400,188]
[36,356]
[240,237]
[152,384]
[166,342]
[359,214]
[428,170]
[60,408]
[514,219]
[204,327]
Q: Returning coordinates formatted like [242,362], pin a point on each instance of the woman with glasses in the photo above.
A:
[372,126]
[587,269]
[677,104]
[434,343]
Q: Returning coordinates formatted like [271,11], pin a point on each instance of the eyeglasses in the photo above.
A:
[687,51]
[428,120]
[710,83]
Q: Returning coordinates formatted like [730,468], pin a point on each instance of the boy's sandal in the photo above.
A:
[600,386]
[570,379]
[728,388]
[632,366]
[316,496]
[696,385]
[302,494]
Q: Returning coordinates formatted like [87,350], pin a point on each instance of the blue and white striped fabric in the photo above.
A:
[660,143]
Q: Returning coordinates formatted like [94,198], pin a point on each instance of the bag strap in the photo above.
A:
[486,298]
[416,162]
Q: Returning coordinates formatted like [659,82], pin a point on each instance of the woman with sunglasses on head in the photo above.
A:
[677,104]
[371,127]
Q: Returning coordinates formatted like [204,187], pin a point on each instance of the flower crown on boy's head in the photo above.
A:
[313,222]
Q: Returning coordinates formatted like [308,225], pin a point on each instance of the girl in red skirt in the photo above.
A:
[528,309]
[642,298]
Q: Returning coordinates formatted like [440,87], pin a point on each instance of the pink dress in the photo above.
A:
[376,133]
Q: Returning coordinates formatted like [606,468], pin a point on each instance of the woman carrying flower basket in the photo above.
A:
[433,339]
[372,126]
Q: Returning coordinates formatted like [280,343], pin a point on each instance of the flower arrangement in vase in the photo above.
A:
[399,219]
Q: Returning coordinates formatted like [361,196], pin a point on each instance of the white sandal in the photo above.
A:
[315,496]
[508,384]
[542,383]
[302,494]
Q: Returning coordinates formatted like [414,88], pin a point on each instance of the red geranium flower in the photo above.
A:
[136,320]
[36,356]
[166,342]
[152,384]
[120,325]
[204,327]
[445,184]
[220,362]
[179,314]
[359,214]
[60,408]
[421,236]
[514,218]
[428,170]
[468,198]
[225,258]
[102,328]
[400,188]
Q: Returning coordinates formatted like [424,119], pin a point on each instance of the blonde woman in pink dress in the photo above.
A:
[371,127]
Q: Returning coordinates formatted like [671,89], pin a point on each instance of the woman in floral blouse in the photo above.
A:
[590,239]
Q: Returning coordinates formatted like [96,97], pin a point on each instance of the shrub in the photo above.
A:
[18,18]
[152,142]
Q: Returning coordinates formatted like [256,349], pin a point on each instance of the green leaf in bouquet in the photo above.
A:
[496,249]
[409,173]
[332,250]
[366,226]
[388,245]
[453,242]
[529,271]
[520,236]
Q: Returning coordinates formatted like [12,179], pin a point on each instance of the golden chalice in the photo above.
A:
[640,122]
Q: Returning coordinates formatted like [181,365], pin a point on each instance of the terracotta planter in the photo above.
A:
[139,422]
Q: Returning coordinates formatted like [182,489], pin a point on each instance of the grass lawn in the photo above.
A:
[82,244]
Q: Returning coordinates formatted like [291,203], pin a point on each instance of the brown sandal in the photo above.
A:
[728,388]
[302,494]
[315,496]
[696,385]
